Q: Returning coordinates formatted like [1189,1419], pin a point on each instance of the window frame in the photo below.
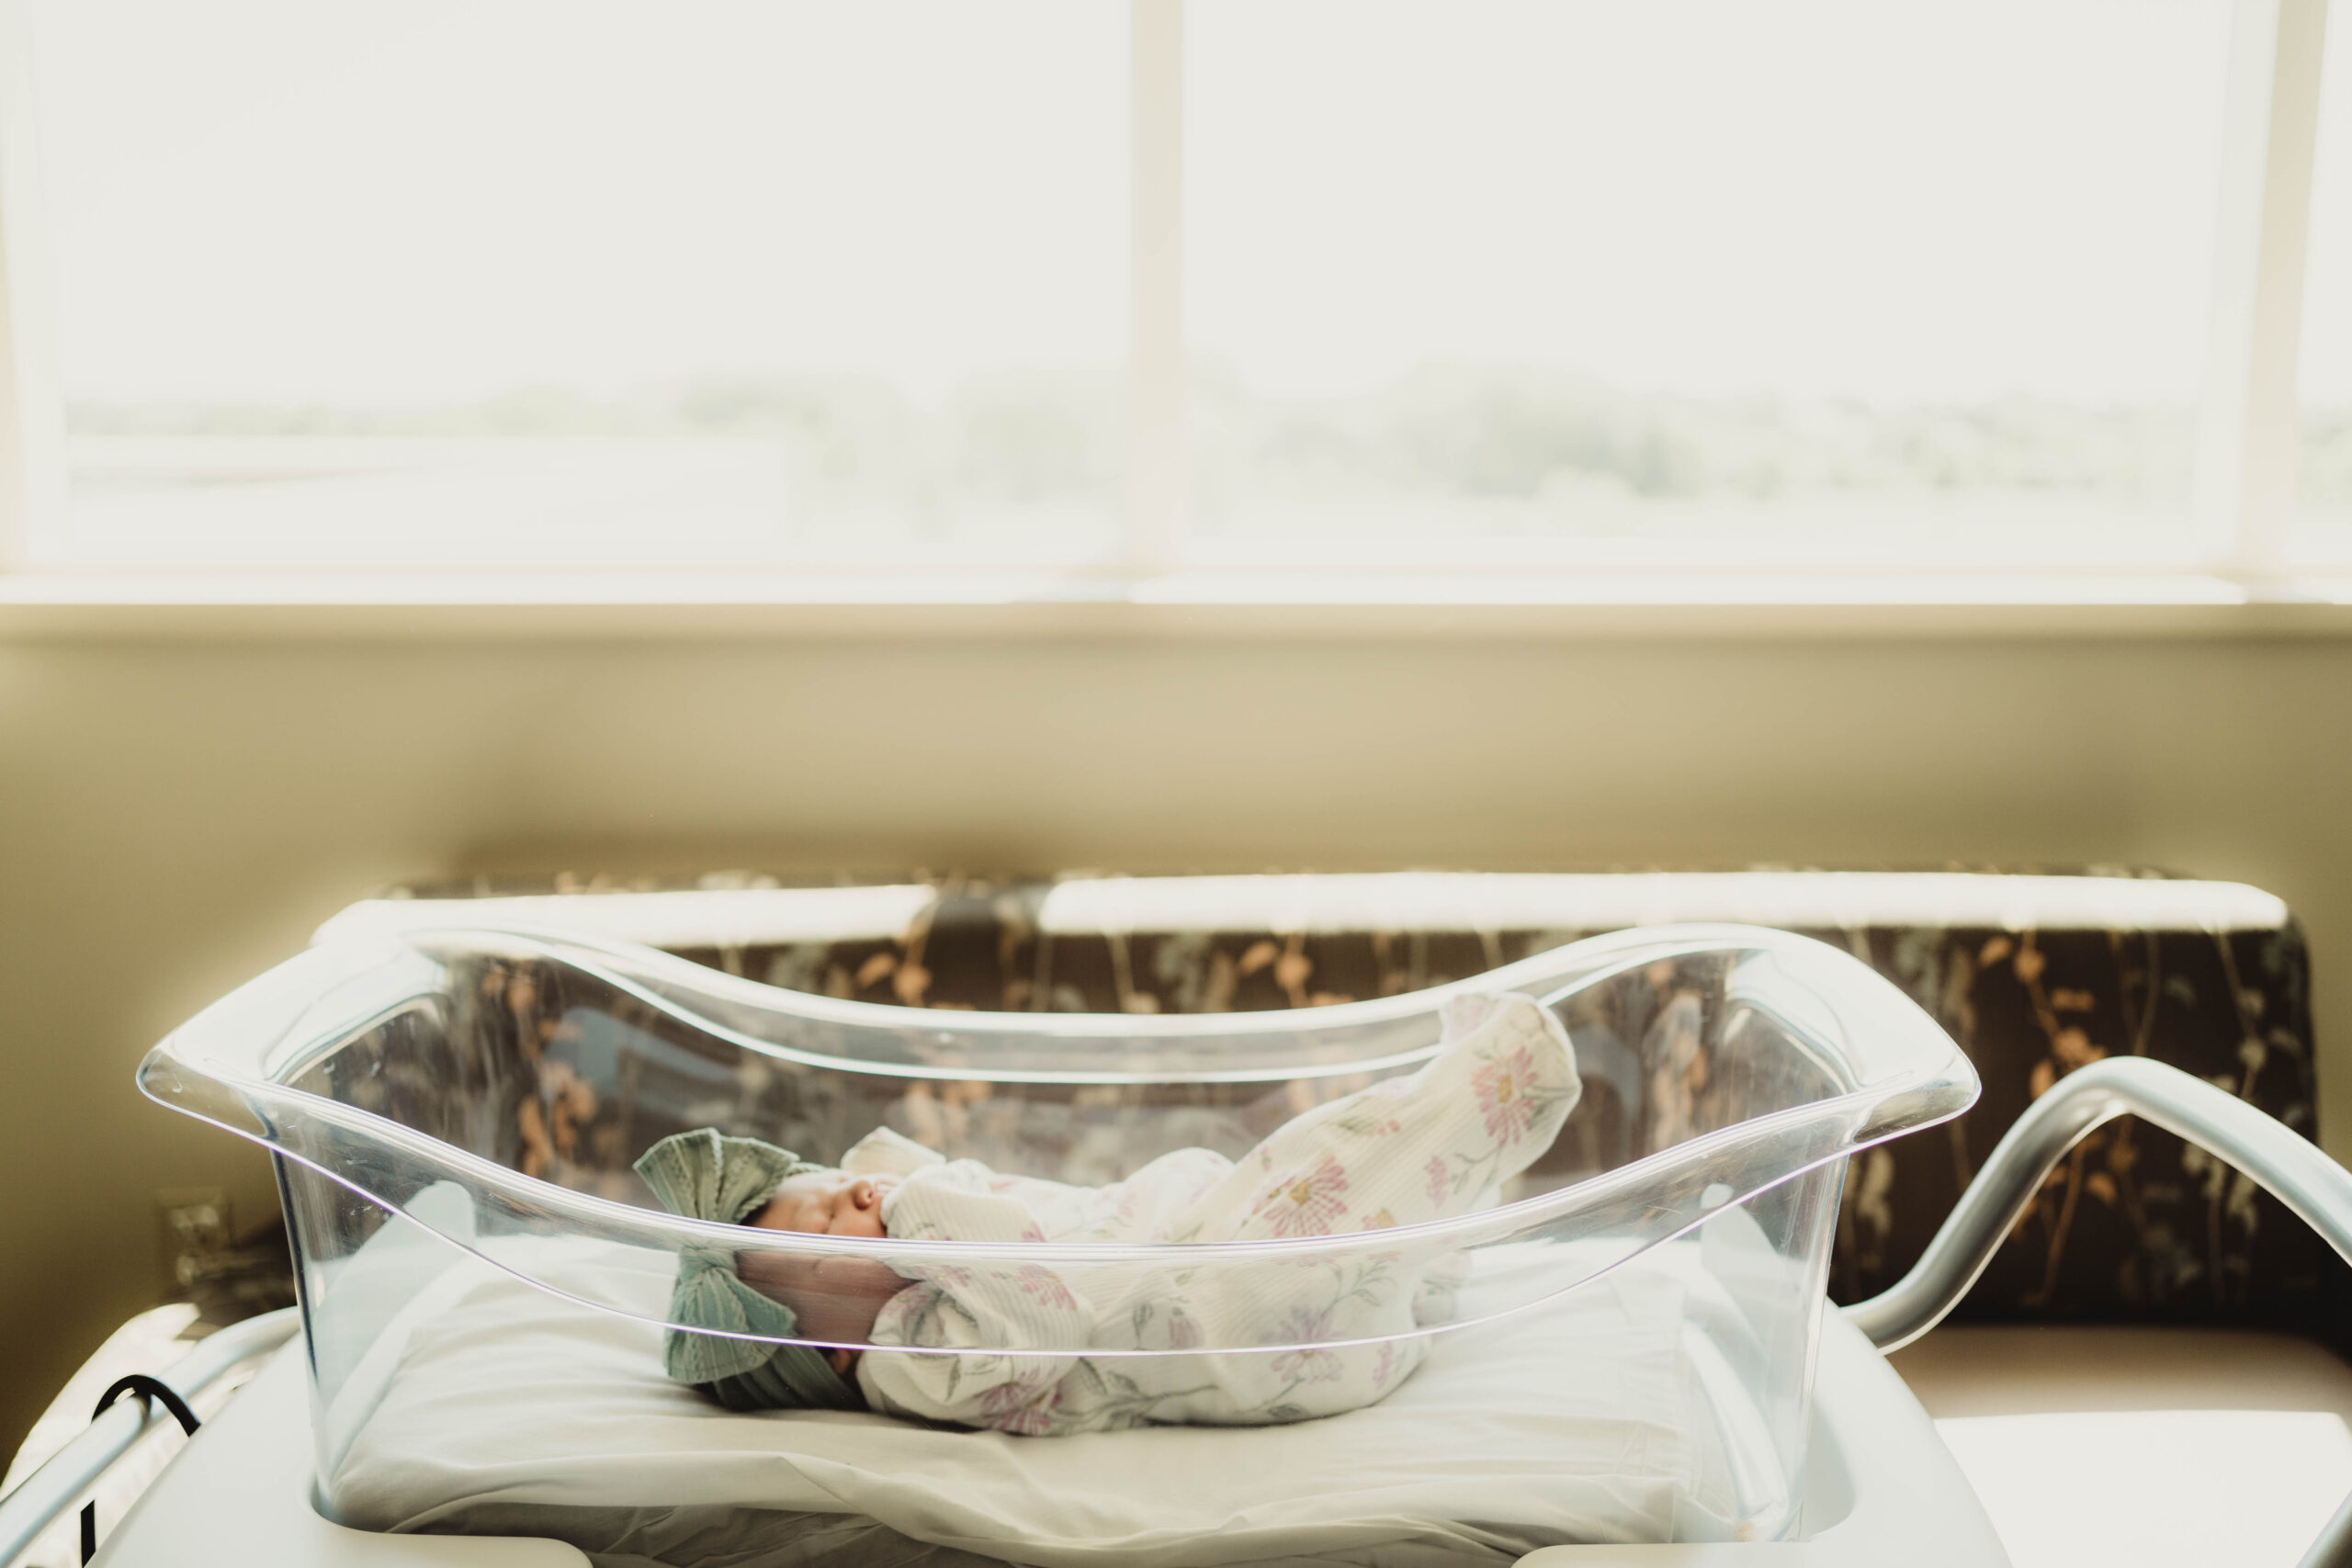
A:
[2245,459]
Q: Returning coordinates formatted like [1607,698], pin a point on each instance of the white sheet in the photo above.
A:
[512,1411]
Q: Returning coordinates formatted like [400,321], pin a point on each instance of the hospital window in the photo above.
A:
[1162,288]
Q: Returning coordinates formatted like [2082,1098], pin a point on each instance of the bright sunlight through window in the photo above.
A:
[1190,286]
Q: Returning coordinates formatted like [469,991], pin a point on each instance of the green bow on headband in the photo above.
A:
[705,1175]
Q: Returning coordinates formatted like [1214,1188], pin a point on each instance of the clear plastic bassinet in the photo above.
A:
[453,1115]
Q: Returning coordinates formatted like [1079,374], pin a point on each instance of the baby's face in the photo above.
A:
[835,1298]
[828,1202]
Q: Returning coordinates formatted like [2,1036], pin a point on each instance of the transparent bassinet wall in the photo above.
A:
[454,1110]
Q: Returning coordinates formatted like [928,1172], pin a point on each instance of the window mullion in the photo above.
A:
[1156,380]
[2248,435]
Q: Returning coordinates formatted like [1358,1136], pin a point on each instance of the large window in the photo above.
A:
[1203,286]
[2322,534]
[558,281]
[1860,272]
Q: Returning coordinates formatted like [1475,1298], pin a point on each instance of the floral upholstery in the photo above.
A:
[2134,1225]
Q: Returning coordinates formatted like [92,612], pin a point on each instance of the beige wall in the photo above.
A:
[176,817]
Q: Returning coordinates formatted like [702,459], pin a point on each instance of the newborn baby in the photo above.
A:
[1437,1142]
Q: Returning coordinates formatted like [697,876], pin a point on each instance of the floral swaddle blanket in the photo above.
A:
[1430,1146]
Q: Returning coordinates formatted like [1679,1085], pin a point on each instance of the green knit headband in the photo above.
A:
[705,1175]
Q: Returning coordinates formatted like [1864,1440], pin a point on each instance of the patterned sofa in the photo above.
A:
[2033,974]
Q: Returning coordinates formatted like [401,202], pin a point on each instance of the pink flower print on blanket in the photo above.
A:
[1505,1085]
[1041,1285]
[1310,1363]
[1310,1204]
[1440,1180]
[1461,1015]
[1024,1406]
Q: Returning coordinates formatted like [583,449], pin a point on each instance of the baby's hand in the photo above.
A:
[835,1298]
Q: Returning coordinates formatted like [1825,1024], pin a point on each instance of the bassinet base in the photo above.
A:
[1882,1489]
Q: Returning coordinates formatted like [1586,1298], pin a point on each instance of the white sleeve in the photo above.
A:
[885,1153]
[978,1308]
[1427,1146]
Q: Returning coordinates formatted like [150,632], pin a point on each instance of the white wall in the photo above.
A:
[176,817]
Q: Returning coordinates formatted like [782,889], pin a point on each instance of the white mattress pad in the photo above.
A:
[491,1405]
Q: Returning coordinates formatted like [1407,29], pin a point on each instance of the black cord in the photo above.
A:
[145,1387]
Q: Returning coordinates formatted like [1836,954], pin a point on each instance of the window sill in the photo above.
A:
[388,606]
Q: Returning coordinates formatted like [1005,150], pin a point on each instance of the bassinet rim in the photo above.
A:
[1935,1091]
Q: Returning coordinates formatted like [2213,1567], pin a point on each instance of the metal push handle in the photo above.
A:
[2287,1166]
[75,1468]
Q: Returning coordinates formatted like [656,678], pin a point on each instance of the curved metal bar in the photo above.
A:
[2288,1166]
[2334,1547]
[75,1468]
